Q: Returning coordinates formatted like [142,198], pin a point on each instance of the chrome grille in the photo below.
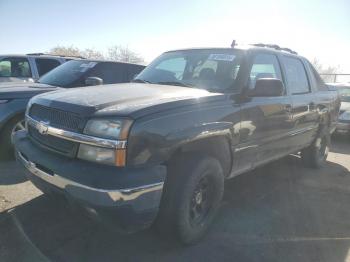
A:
[59,119]
[56,144]
[56,118]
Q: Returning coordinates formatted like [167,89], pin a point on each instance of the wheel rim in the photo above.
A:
[201,202]
[20,125]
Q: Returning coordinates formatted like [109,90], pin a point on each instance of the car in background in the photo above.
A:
[343,125]
[29,67]
[75,73]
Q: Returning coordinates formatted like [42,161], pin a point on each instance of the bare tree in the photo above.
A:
[123,54]
[92,54]
[327,72]
[74,51]
[114,53]
[65,51]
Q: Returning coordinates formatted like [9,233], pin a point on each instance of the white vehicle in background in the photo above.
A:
[27,68]
[343,125]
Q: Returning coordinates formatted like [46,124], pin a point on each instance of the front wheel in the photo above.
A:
[7,134]
[316,154]
[192,196]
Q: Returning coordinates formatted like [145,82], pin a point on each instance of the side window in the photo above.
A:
[45,65]
[264,66]
[133,71]
[110,73]
[15,67]
[296,77]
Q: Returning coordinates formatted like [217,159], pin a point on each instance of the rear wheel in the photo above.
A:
[192,196]
[316,154]
[6,136]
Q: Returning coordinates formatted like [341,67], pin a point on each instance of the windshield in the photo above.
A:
[214,70]
[68,73]
[344,94]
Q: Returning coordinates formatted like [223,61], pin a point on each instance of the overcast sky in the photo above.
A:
[313,28]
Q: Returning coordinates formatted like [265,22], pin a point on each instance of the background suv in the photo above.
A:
[19,68]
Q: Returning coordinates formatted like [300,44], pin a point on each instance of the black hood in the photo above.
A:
[123,99]
[23,90]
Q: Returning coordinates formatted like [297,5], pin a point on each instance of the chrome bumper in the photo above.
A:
[139,198]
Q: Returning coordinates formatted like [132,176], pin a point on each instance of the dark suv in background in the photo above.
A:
[75,73]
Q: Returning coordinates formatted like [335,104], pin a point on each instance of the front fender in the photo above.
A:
[154,141]
[11,109]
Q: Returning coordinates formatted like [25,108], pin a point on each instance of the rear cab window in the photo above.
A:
[296,77]
[318,83]
[15,67]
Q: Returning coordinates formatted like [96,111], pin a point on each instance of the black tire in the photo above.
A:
[6,146]
[192,195]
[316,154]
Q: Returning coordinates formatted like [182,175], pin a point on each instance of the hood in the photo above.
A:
[123,99]
[23,90]
[345,106]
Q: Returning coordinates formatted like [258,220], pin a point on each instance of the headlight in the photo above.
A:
[97,154]
[108,128]
[113,129]
[345,116]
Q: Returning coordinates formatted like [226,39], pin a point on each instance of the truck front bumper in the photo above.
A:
[130,196]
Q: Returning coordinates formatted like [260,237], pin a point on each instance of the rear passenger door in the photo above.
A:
[304,106]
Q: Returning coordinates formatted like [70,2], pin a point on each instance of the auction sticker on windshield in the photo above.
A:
[221,57]
[86,66]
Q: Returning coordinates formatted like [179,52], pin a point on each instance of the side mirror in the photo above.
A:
[267,87]
[93,81]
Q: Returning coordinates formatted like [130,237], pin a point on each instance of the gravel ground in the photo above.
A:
[280,212]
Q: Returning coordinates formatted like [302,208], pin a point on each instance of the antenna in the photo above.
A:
[233,43]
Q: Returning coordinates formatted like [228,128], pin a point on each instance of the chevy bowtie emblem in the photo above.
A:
[42,128]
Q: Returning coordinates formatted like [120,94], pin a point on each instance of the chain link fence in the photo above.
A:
[336,78]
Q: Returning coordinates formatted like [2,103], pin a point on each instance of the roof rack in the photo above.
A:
[72,56]
[276,47]
[36,54]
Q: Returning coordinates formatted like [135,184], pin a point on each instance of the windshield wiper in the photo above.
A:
[174,83]
[138,80]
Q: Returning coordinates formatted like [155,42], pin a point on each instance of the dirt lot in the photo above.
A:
[281,212]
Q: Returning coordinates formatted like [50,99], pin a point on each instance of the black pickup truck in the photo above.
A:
[158,151]
[75,73]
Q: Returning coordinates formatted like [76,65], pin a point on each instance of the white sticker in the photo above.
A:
[90,64]
[86,66]
[221,57]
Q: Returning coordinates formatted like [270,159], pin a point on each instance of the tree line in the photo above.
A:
[114,53]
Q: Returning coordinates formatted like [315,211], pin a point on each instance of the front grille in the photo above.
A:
[56,144]
[57,118]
